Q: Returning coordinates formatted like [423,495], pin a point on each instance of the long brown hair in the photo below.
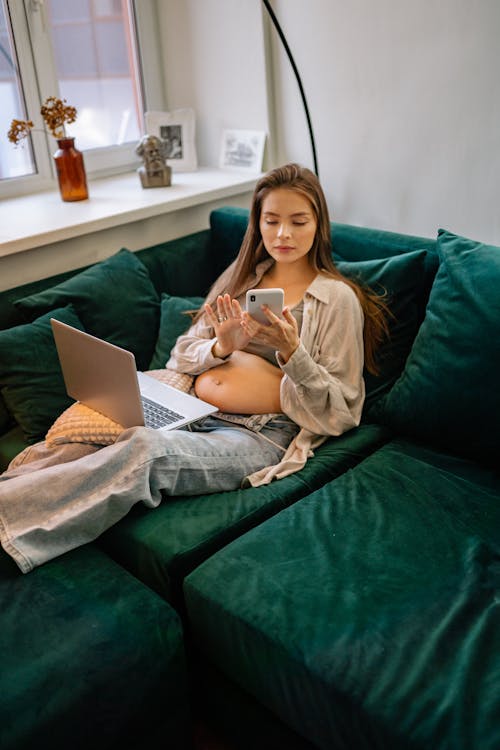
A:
[252,251]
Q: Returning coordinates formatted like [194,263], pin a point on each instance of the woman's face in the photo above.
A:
[287,225]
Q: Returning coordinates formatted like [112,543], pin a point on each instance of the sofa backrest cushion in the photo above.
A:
[10,315]
[31,380]
[174,321]
[183,266]
[401,279]
[449,392]
[115,299]
[227,227]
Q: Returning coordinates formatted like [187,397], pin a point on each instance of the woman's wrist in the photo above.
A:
[285,355]
[218,352]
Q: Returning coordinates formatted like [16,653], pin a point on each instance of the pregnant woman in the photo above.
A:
[281,388]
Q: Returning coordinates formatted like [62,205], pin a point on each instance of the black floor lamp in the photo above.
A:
[297,76]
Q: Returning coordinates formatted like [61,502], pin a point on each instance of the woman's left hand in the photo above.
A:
[282,334]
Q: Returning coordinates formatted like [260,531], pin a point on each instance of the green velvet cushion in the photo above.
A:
[115,300]
[174,320]
[90,659]
[402,279]
[183,266]
[227,227]
[365,615]
[31,380]
[449,391]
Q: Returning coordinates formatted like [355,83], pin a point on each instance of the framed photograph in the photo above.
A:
[242,150]
[177,129]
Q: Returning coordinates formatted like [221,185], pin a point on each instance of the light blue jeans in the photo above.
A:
[53,500]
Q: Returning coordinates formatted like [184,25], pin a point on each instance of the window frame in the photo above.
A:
[37,72]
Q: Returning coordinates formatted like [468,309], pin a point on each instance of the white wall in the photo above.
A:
[405,103]
[214,62]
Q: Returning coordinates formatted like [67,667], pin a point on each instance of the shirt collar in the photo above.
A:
[320,288]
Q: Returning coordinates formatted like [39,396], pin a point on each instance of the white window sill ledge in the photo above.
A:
[43,218]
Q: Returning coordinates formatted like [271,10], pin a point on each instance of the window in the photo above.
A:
[87,52]
[13,162]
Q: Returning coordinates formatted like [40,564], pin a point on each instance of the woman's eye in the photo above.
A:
[268,222]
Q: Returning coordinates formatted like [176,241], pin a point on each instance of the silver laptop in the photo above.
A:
[105,378]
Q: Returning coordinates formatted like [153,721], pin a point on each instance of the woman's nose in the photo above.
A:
[283,230]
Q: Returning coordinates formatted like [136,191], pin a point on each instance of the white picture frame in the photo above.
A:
[242,150]
[177,129]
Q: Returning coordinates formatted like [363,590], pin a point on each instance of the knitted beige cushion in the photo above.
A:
[80,424]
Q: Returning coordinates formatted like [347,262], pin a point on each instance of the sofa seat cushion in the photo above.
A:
[163,545]
[90,658]
[365,615]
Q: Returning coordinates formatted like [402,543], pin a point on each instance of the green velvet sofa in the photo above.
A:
[353,604]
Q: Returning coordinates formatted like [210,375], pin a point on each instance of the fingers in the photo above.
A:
[281,322]
[272,317]
[290,319]
[221,312]
[228,308]
[212,317]
[225,309]
[250,325]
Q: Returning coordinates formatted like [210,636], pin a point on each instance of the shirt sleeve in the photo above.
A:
[323,388]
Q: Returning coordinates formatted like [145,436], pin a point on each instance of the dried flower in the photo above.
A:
[19,129]
[55,113]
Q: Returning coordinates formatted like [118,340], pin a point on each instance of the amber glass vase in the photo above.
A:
[70,171]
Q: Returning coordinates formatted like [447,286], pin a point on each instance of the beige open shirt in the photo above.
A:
[322,389]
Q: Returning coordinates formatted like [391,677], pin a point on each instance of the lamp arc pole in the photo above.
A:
[288,51]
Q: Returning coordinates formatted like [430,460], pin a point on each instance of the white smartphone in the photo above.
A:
[273,298]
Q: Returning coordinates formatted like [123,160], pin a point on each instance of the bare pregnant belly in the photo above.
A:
[245,384]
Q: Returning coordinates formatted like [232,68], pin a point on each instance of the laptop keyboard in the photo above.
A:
[156,415]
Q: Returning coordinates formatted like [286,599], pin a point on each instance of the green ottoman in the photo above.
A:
[366,615]
[90,658]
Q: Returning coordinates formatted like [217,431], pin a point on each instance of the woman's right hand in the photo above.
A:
[226,322]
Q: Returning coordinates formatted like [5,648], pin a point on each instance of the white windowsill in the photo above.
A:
[43,218]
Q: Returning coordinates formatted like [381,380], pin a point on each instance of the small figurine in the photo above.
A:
[155,172]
